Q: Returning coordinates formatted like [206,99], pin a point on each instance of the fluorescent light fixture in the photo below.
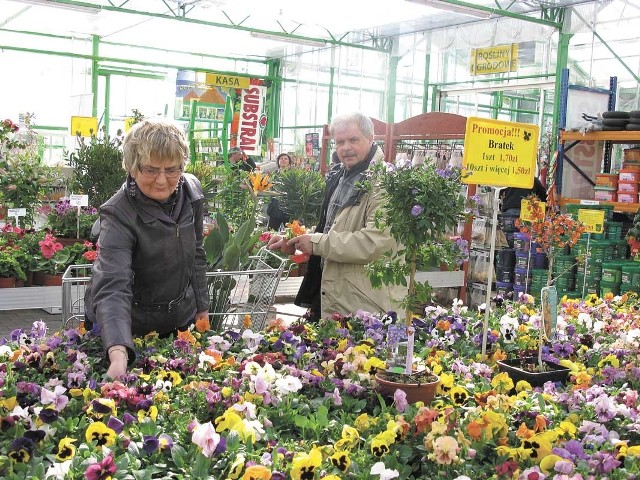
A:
[75,6]
[462,8]
[289,39]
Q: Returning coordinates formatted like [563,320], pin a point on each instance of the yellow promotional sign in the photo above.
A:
[498,59]
[128,123]
[219,80]
[498,153]
[84,126]
[525,212]
[592,219]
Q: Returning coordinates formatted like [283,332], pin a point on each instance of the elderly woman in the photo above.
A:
[150,274]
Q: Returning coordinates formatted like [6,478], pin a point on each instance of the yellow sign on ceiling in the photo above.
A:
[498,59]
[84,126]
[219,80]
[502,154]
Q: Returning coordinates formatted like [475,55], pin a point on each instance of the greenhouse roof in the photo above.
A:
[605,40]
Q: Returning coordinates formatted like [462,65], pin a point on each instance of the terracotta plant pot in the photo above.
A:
[7,282]
[514,368]
[416,392]
[51,280]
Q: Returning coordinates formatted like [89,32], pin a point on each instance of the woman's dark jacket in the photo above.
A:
[150,274]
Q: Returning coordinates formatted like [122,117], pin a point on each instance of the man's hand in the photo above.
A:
[118,360]
[302,243]
[278,242]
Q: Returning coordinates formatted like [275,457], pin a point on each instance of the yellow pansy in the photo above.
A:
[381,443]
[99,433]
[548,462]
[170,376]
[364,422]
[350,438]
[446,383]
[304,465]
[539,445]
[66,449]
[459,395]
[609,360]
[8,403]
[341,460]
[502,382]
[227,420]
[236,467]
[373,364]
[152,413]
[257,472]
[523,386]
[567,428]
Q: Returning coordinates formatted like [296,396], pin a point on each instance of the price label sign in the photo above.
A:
[525,211]
[17,212]
[592,219]
[84,126]
[79,200]
[500,153]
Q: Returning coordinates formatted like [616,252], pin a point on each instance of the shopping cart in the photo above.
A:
[74,283]
[238,298]
[242,299]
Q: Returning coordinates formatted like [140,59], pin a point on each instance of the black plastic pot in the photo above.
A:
[555,373]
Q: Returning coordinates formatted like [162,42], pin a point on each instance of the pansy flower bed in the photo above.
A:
[298,402]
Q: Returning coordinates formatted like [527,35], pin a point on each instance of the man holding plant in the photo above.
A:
[346,238]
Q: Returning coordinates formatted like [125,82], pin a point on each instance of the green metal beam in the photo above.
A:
[273,122]
[561,64]
[500,12]
[95,50]
[236,27]
[125,61]
[493,79]
[133,45]
[107,101]
[125,73]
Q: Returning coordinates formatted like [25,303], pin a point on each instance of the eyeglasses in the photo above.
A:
[153,172]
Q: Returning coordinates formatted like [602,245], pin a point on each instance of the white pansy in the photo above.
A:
[384,472]
[288,384]
[585,320]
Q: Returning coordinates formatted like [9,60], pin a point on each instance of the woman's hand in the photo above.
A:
[278,242]
[118,359]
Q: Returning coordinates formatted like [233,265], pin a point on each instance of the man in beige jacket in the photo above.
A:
[346,238]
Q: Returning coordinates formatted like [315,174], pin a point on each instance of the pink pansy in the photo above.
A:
[400,400]
[55,398]
[206,438]
[445,450]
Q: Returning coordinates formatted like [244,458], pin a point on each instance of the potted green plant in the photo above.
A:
[551,231]
[300,193]
[421,204]
[97,167]
[67,221]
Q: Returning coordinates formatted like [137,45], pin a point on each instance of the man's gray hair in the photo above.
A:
[364,123]
[162,139]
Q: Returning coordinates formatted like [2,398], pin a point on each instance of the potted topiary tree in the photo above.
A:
[420,205]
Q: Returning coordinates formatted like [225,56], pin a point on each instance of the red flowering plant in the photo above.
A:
[55,258]
[633,236]
[8,141]
[11,253]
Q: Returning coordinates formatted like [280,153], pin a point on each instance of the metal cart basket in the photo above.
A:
[74,282]
[239,299]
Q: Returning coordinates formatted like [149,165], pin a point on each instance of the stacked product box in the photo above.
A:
[628,178]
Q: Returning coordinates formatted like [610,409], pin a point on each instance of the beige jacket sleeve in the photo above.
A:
[354,238]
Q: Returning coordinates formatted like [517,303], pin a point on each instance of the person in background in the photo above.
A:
[277,217]
[346,238]
[511,198]
[150,274]
[238,159]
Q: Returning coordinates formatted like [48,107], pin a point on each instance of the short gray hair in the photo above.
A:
[364,123]
[161,139]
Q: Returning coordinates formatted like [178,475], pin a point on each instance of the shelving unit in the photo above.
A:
[609,136]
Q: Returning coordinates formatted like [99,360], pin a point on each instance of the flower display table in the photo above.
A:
[30,297]
[298,402]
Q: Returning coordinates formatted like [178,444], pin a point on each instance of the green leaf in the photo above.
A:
[301,422]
